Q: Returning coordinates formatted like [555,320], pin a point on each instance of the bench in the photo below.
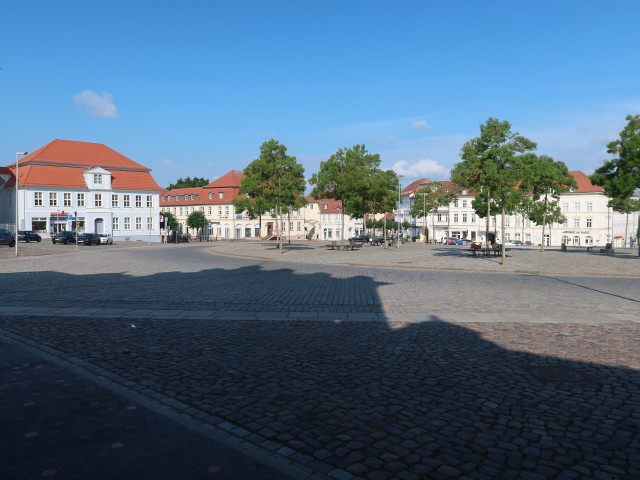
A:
[343,246]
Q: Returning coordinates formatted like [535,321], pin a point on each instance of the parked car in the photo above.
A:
[64,237]
[106,239]
[513,243]
[89,239]
[29,236]
[454,241]
[7,238]
[360,239]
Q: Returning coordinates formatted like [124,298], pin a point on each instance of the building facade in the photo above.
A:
[588,219]
[69,185]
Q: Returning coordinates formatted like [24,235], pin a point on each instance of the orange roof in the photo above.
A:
[228,184]
[73,177]
[86,154]
[231,179]
[584,184]
[415,186]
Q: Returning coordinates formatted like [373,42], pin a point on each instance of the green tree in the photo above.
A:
[427,200]
[620,176]
[353,177]
[275,181]
[546,179]
[189,183]
[626,206]
[493,164]
[197,220]
[170,220]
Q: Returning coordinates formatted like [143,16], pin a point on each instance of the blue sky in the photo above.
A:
[193,88]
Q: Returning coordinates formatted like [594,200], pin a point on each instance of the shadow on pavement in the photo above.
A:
[363,399]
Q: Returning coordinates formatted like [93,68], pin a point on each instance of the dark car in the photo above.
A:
[360,239]
[89,239]
[28,236]
[7,238]
[64,237]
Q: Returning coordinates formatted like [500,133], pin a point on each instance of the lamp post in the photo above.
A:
[18,155]
[424,215]
[398,222]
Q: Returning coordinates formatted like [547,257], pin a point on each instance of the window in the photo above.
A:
[39,224]
[290,225]
[576,222]
[565,224]
[220,194]
[138,201]
[455,217]
[138,223]
[439,217]
[226,211]
[180,210]
[219,211]
[127,223]
[589,206]
[114,201]
[464,204]
[210,195]
[149,223]
[507,221]
[66,199]
[527,223]
[37,199]
[80,199]
[464,218]
[115,224]
[298,225]
[565,207]
[473,218]
[325,206]
[97,179]
[576,207]
[126,203]
[149,201]
[589,222]
[97,200]
[517,221]
[53,199]
[455,203]
[209,210]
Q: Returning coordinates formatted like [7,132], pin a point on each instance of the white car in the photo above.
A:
[106,239]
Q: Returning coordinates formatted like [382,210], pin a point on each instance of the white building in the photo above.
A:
[589,220]
[66,185]
[324,220]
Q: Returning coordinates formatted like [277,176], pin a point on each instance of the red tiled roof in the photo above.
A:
[73,177]
[414,186]
[231,179]
[228,184]
[584,184]
[71,152]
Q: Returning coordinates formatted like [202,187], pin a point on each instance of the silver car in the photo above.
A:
[106,239]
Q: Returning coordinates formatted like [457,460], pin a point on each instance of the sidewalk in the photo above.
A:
[575,261]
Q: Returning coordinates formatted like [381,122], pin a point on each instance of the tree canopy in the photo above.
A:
[493,164]
[273,181]
[197,220]
[189,183]
[170,220]
[352,176]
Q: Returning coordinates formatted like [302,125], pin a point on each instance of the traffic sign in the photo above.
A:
[69,217]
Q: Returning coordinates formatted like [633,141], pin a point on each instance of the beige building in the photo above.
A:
[589,220]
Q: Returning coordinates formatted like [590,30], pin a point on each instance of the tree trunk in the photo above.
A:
[384,232]
[544,221]
[488,222]
[503,246]
[626,230]
[260,228]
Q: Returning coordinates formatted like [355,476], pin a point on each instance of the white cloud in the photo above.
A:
[100,106]
[420,125]
[420,169]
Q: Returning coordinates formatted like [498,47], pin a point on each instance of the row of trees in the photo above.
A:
[501,166]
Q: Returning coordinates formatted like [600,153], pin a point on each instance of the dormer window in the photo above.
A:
[178,198]
[97,179]
[220,194]
[211,195]
[326,206]
[464,192]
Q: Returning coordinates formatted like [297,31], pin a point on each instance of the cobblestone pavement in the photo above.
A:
[343,371]
[56,423]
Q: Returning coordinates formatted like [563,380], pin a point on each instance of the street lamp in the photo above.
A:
[18,155]
[424,215]
[399,191]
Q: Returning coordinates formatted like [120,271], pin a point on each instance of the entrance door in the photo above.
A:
[99,226]
[269,229]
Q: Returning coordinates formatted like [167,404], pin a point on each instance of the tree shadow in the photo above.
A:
[375,399]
